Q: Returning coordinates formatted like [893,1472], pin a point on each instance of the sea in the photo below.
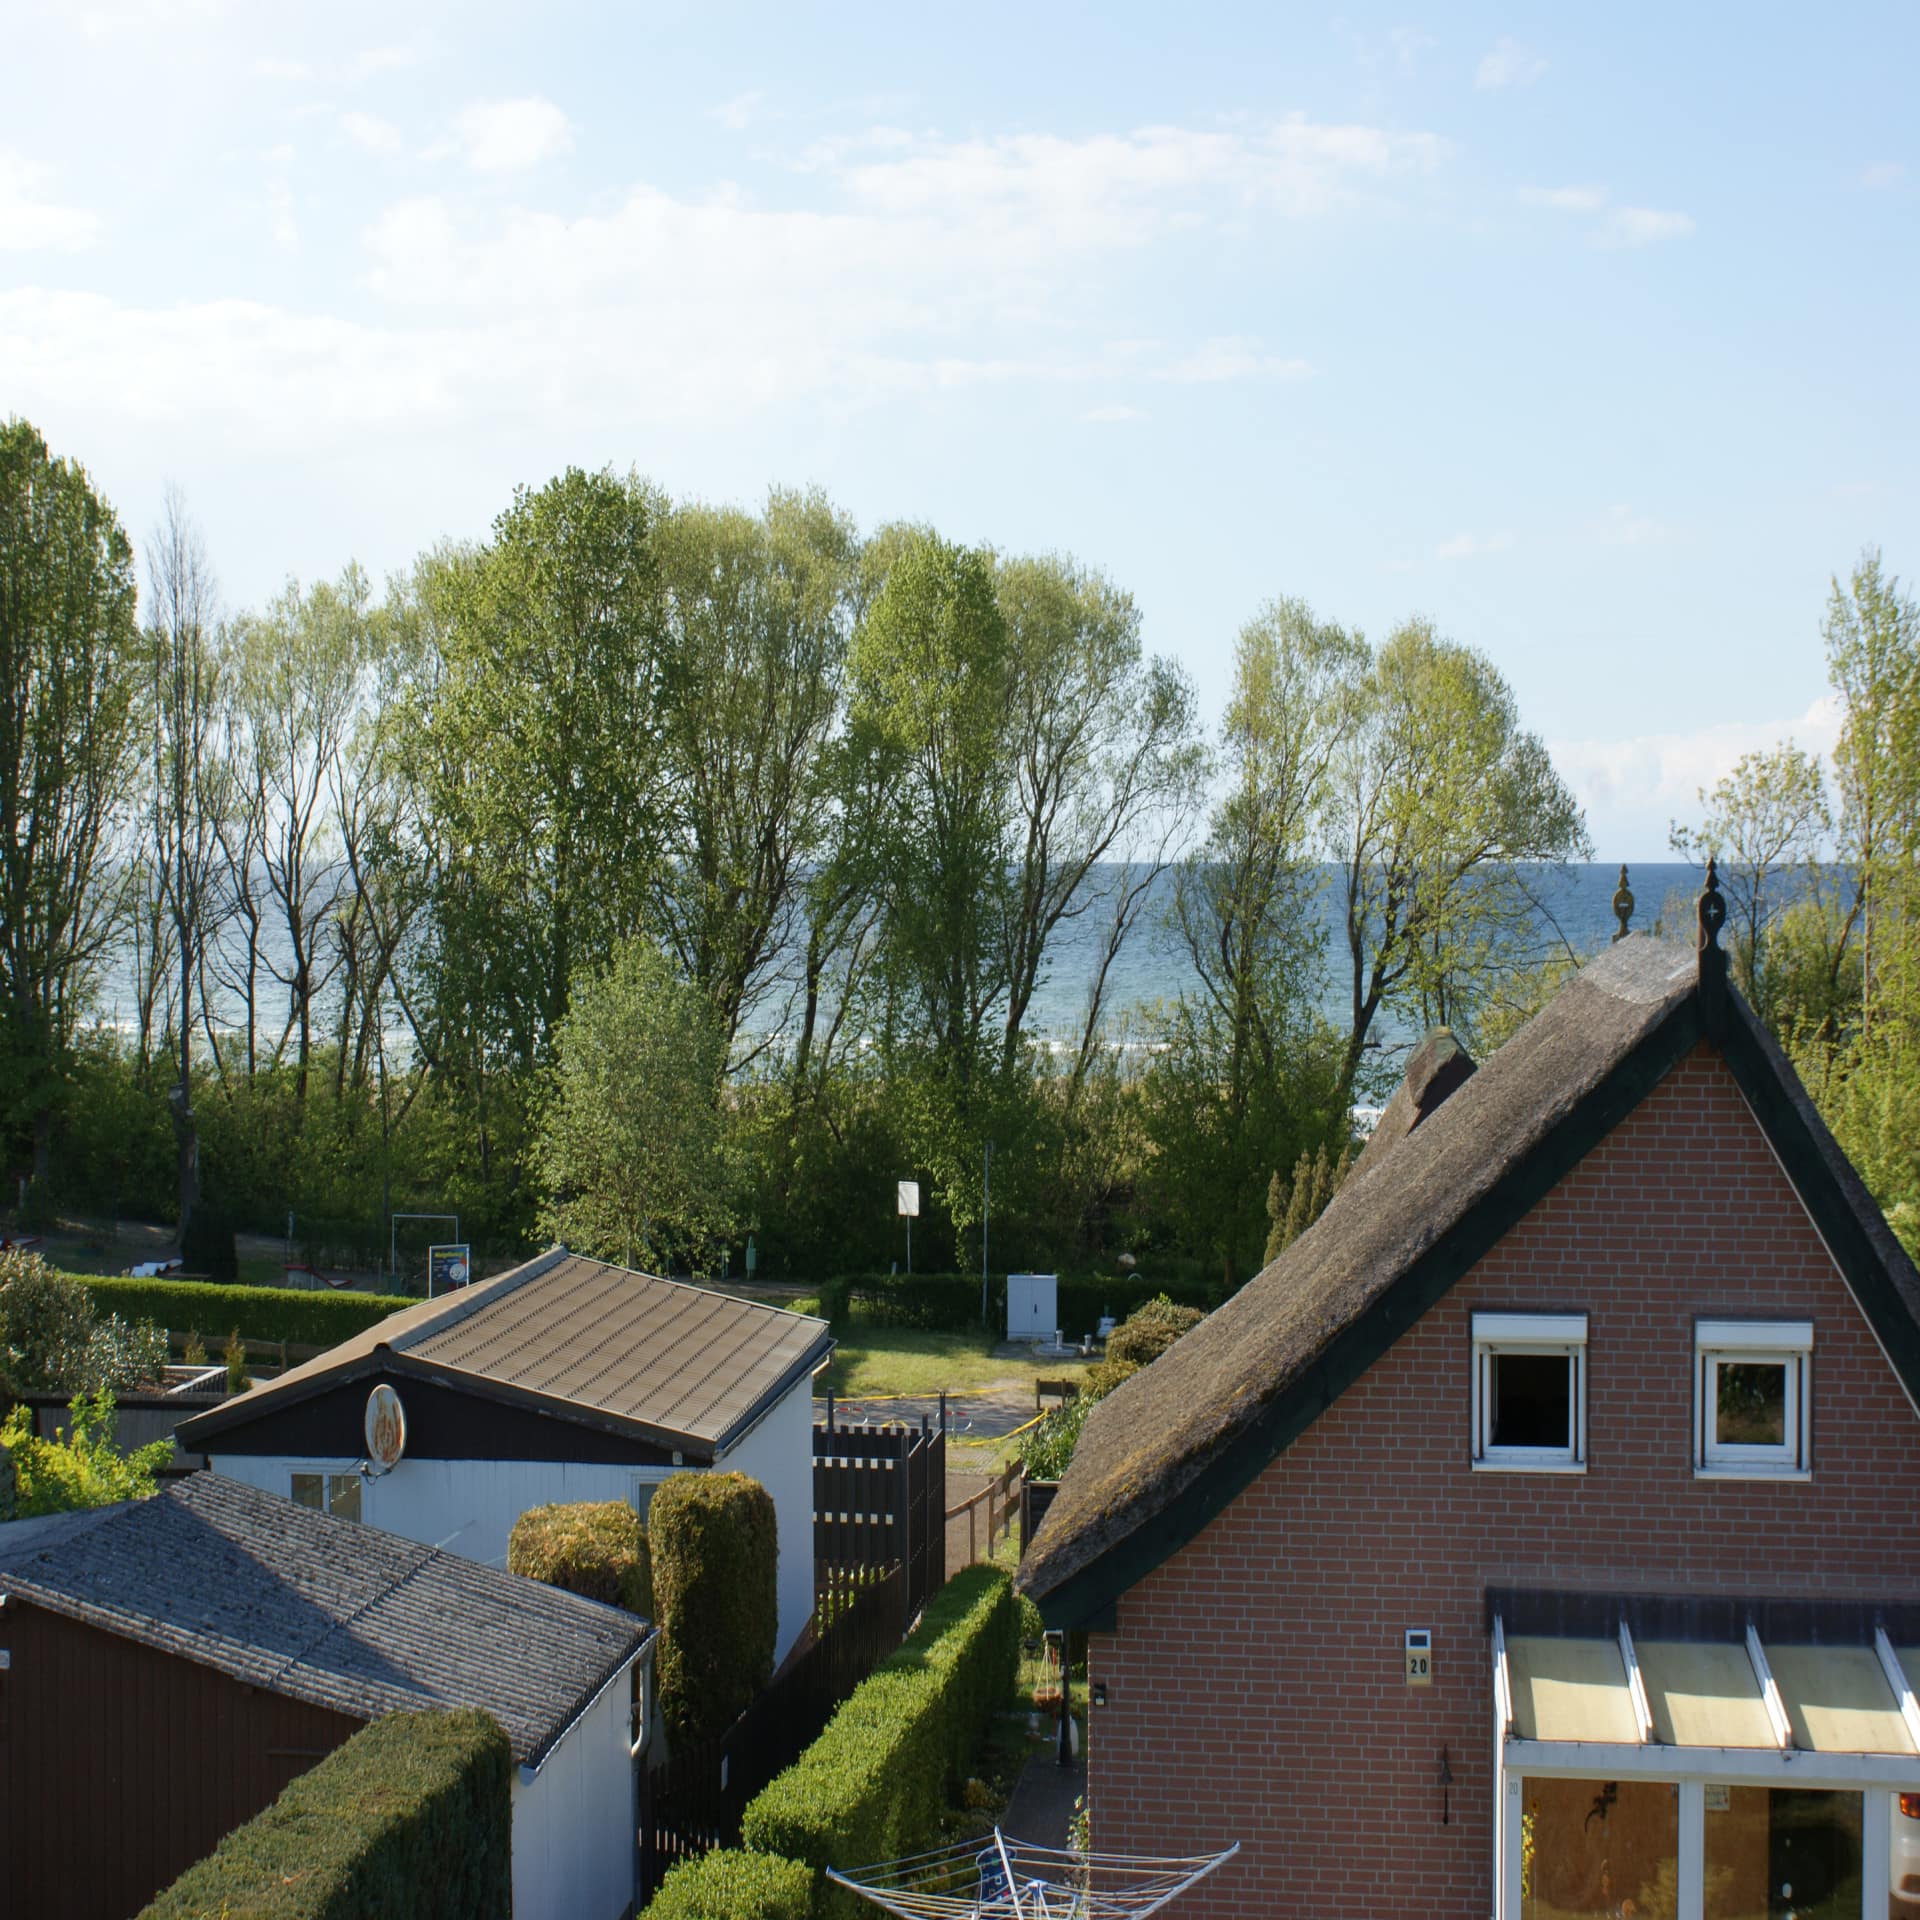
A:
[1573,914]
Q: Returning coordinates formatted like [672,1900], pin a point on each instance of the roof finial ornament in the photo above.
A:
[1712,963]
[1623,904]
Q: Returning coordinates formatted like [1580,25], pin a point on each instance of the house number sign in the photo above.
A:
[386,1427]
[1419,1657]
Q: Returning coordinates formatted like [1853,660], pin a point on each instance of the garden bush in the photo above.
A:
[715,1549]
[873,1785]
[1150,1330]
[82,1468]
[261,1313]
[53,1339]
[733,1884]
[595,1548]
[411,1816]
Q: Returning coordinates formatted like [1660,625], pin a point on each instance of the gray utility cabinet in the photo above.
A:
[1033,1309]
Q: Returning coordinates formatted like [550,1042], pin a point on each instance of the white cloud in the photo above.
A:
[369,131]
[741,111]
[1620,526]
[1611,226]
[1105,416]
[1883,175]
[30,222]
[509,136]
[1232,357]
[1644,226]
[1508,64]
[1653,778]
[1474,546]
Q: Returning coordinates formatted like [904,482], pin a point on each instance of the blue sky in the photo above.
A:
[1592,335]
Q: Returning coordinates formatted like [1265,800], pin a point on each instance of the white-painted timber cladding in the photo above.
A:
[468,1507]
[573,1823]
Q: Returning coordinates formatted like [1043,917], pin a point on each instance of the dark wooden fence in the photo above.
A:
[880,1500]
[693,1801]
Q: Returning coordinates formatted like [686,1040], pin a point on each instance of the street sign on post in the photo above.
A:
[448,1268]
[909,1211]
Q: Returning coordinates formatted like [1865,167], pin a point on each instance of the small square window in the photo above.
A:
[334,1493]
[307,1490]
[1530,1392]
[1752,1399]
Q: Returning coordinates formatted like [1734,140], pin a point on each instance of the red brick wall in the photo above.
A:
[1255,1685]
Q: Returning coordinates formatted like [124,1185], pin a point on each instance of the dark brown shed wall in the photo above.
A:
[120,1765]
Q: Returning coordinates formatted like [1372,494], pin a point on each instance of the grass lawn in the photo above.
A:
[901,1360]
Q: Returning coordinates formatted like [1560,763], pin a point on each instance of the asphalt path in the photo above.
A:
[970,1416]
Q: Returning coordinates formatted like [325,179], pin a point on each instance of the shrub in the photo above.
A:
[411,1816]
[715,1561]
[83,1469]
[733,1884]
[873,1785]
[52,1339]
[595,1548]
[1150,1330]
[207,1247]
[261,1313]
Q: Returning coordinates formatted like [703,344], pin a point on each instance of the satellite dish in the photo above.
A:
[386,1428]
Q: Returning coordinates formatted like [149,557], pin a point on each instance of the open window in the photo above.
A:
[1530,1392]
[1752,1399]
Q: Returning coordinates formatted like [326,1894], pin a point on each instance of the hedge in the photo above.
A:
[411,1816]
[261,1313]
[733,1884]
[715,1546]
[950,1302]
[873,1785]
[595,1548]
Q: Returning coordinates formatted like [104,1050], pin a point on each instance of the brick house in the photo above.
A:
[1536,1537]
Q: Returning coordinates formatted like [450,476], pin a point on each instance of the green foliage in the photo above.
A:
[950,1302]
[1294,1205]
[630,1141]
[412,1816]
[53,1339]
[595,1548]
[206,1248]
[873,1785]
[733,1884]
[261,1313]
[1149,1331]
[715,1553]
[81,1470]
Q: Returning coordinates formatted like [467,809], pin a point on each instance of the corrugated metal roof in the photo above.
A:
[677,1363]
[323,1609]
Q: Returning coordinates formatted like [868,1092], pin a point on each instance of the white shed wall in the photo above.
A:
[573,1822]
[468,1507]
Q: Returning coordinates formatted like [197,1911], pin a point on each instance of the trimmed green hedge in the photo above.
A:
[733,1884]
[950,1302]
[411,1816]
[595,1548]
[715,1544]
[261,1313]
[873,1785]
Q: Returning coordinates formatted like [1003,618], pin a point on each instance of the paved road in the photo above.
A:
[976,1416]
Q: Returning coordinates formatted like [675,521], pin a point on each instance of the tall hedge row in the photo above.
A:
[411,1816]
[715,1548]
[261,1313]
[950,1302]
[734,1885]
[873,1785]
[595,1548]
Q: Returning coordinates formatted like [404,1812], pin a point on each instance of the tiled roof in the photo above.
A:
[674,1363]
[322,1609]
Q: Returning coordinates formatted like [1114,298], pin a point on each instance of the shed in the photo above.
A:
[566,1379]
[1033,1307]
[168,1665]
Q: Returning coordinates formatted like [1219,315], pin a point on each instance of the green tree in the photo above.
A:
[70,685]
[81,1469]
[1764,824]
[1444,801]
[630,1138]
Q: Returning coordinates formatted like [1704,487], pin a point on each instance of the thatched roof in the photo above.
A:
[1436,1189]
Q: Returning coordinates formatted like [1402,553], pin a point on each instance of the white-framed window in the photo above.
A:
[1752,1397]
[334,1493]
[1530,1392]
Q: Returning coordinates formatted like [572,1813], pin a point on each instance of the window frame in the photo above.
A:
[1498,1333]
[1784,1343]
[330,1482]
